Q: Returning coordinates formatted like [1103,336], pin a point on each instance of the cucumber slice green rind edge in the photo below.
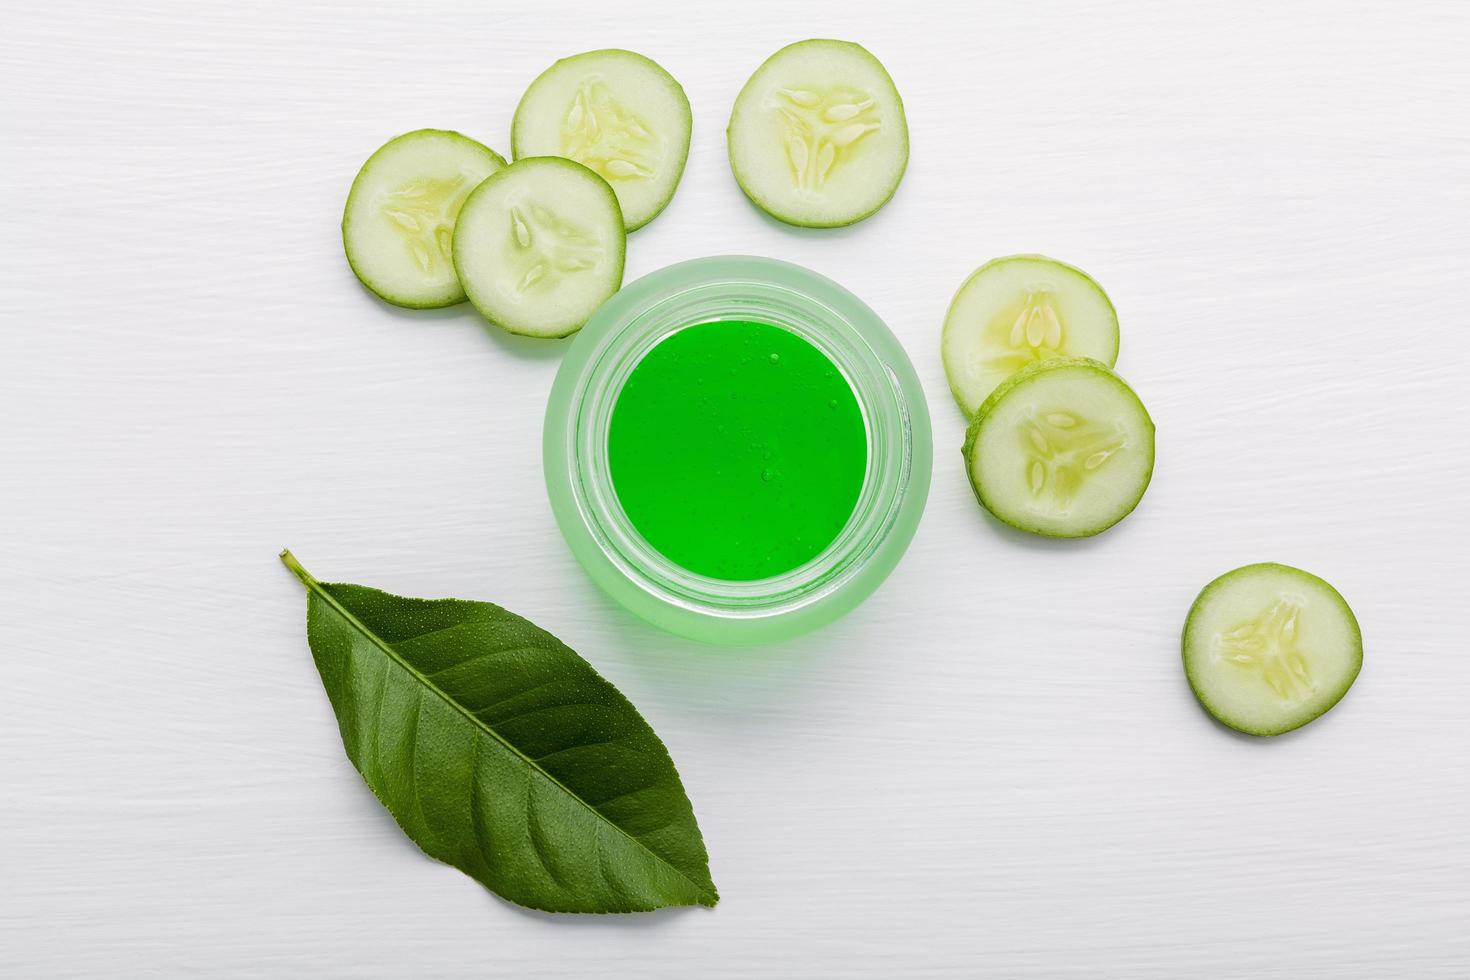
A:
[454,299]
[1218,583]
[518,329]
[972,435]
[898,176]
[515,124]
[1024,257]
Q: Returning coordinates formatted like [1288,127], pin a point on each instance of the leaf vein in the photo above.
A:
[472,660]
[572,748]
[497,703]
[538,846]
[529,712]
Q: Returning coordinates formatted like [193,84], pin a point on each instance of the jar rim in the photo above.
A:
[846,331]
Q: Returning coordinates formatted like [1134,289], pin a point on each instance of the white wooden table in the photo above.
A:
[994,767]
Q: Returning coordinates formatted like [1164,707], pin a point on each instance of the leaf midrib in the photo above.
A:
[317,588]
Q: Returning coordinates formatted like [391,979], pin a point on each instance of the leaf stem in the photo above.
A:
[289,560]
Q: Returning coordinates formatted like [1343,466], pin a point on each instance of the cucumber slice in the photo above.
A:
[1062,448]
[1017,310]
[398,225]
[818,136]
[1268,648]
[539,246]
[618,114]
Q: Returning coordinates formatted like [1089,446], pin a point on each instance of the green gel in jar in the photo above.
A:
[737,449]
[663,486]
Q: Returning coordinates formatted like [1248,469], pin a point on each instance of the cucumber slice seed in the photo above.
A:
[539,246]
[398,225]
[617,113]
[1016,310]
[1062,448]
[1268,648]
[818,136]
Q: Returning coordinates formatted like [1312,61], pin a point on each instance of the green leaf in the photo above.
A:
[500,751]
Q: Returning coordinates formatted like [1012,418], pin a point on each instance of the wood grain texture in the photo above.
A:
[994,767]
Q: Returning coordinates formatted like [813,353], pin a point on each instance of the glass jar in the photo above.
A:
[578,479]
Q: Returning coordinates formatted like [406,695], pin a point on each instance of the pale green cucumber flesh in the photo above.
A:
[1268,648]
[617,113]
[1017,310]
[539,246]
[818,136]
[1062,448]
[398,224]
